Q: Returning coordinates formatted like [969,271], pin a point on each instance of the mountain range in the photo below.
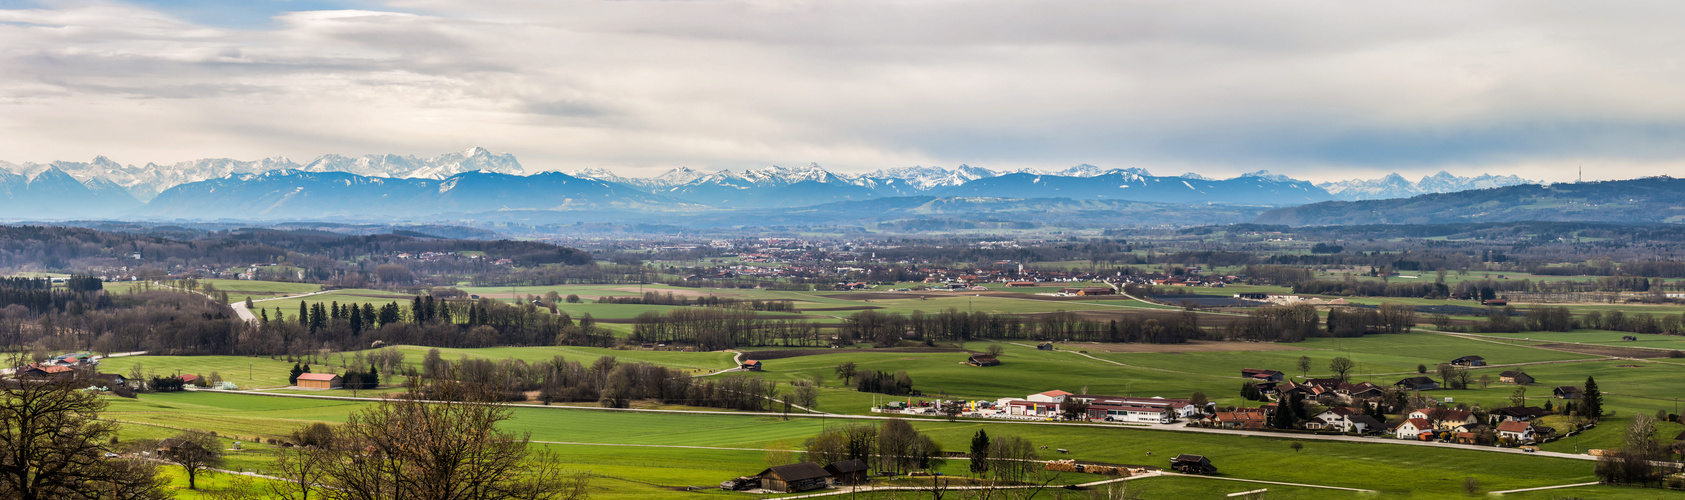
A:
[478,181]
[1646,200]
[1396,186]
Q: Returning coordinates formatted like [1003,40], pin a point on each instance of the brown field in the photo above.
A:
[1192,346]
[1599,350]
[676,293]
[1205,320]
[792,353]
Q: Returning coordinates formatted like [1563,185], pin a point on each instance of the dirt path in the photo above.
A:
[1542,488]
[246,314]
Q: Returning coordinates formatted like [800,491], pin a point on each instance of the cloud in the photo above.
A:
[1315,89]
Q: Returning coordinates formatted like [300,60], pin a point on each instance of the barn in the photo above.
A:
[848,471]
[320,381]
[794,477]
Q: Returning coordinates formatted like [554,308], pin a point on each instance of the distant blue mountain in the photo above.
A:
[286,194]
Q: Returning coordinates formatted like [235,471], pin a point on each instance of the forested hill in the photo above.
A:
[1648,200]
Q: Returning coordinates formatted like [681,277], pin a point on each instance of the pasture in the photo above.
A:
[588,439]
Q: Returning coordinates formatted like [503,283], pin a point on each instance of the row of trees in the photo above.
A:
[1296,322]
[888,329]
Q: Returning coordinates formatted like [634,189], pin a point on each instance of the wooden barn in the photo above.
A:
[848,471]
[320,381]
[751,365]
[794,477]
[982,360]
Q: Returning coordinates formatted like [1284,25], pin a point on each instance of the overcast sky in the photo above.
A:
[1318,90]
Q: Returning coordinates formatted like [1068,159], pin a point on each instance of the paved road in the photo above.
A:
[246,314]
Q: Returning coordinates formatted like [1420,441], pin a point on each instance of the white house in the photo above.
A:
[1521,432]
[1413,428]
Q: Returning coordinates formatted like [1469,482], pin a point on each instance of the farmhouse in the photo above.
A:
[982,360]
[45,372]
[1417,384]
[794,477]
[1469,361]
[1413,428]
[1262,374]
[320,381]
[1522,414]
[1516,377]
[848,471]
[751,365]
[1520,432]
[1240,419]
[1566,392]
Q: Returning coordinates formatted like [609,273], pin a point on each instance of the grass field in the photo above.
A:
[1399,471]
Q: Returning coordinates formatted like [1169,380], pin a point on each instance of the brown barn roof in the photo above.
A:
[797,472]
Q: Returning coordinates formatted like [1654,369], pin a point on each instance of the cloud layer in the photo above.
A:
[1314,89]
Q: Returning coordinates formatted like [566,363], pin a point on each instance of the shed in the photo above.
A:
[982,360]
[848,471]
[320,381]
[1192,464]
[751,365]
[1469,361]
[794,477]
[1517,377]
[1417,384]
[1044,346]
[1566,392]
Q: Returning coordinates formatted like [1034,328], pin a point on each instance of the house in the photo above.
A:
[751,365]
[1053,396]
[1417,384]
[1044,346]
[1522,414]
[172,446]
[1362,424]
[982,360]
[1452,419]
[1566,392]
[848,471]
[1413,428]
[189,379]
[320,381]
[794,477]
[1469,361]
[1262,374]
[1192,464]
[1520,432]
[111,379]
[1362,390]
[1516,377]
[45,372]
[1239,419]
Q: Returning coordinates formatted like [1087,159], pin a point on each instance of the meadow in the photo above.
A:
[586,439]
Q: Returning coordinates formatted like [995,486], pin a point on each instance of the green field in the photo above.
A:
[1399,471]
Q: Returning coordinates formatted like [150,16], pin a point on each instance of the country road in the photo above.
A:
[246,314]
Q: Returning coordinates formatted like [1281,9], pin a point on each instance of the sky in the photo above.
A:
[1318,90]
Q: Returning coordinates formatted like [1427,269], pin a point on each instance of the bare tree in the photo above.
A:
[194,451]
[1341,367]
[405,449]
[52,446]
